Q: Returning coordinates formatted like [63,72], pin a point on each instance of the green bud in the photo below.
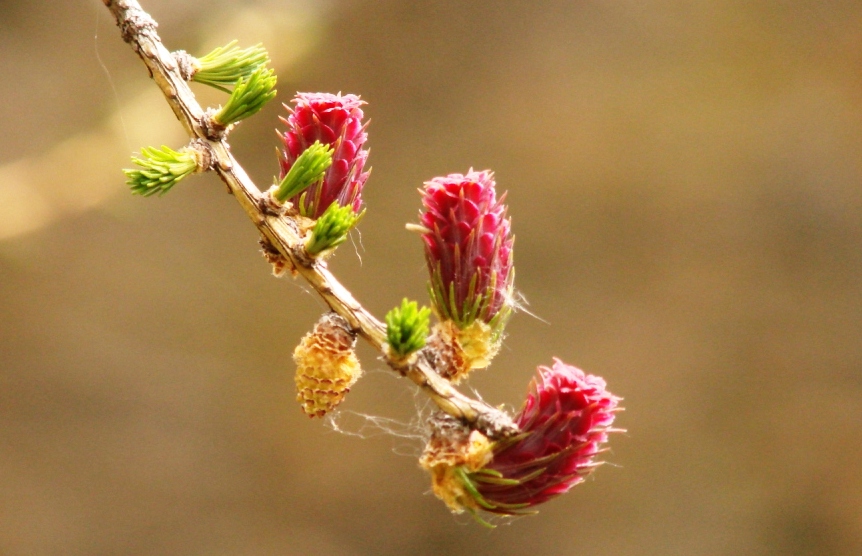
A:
[248,97]
[305,172]
[331,229]
[160,170]
[226,65]
[407,328]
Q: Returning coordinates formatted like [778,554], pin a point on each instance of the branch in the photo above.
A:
[282,232]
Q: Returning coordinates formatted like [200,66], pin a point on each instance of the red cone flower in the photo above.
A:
[468,246]
[336,121]
[564,422]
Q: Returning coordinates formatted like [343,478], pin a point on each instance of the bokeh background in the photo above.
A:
[686,190]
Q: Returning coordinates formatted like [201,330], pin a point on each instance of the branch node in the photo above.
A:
[213,129]
[397,363]
[444,354]
[134,23]
[186,64]
[270,206]
[280,264]
[301,256]
[204,155]
[496,424]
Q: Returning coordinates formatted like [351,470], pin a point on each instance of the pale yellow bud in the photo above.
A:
[326,365]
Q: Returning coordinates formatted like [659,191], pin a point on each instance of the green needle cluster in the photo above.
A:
[331,229]
[307,170]
[226,65]
[160,170]
[407,328]
[248,97]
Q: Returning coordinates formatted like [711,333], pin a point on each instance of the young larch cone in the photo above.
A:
[335,121]
[565,421]
[326,365]
[468,248]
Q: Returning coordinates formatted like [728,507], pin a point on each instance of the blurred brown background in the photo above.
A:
[686,189]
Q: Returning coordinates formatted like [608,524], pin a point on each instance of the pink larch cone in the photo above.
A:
[468,247]
[336,121]
[565,421]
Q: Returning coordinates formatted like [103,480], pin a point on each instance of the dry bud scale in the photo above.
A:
[479,458]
